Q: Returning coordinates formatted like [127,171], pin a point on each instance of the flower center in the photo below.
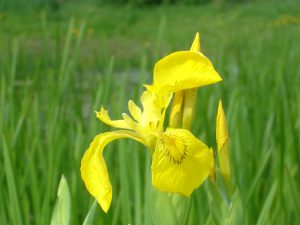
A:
[173,146]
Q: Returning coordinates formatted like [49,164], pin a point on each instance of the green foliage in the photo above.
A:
[62,210]
[55,71]
[169,208]
[90,216]
[58,4]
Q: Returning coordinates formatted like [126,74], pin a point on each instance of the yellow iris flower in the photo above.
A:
[180,161]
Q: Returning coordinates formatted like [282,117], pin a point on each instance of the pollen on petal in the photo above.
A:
[181,162]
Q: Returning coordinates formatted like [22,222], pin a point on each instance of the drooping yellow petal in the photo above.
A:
[105,118]
[176,110]
[93,168]
[222,142]
[183,70]
[181,162]
[196,43]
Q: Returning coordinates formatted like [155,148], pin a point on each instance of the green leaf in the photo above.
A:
[266,210]
[14,201]
[61,212]
[236,210]
[90,216]
[169,208]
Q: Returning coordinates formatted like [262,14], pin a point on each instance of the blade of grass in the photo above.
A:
[293,193]
[66,51]
[266,210]
[3,218]
[14,200]
[137,185]
[147,205]
[62,211]
[258,177]
[91,213]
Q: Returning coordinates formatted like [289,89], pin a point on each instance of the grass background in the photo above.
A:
[58,66]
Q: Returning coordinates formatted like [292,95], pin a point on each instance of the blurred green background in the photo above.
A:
[60,60]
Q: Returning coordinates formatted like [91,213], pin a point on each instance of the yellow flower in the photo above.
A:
[181,162]
[183,108]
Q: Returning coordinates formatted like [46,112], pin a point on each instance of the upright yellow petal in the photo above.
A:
[155,103]
[196,43]
[93,168]
[222,142]
[183,107]
[176,110]
[189,107]
[151,108]
[183,70]
[190,95]
[181,162]
[135,111]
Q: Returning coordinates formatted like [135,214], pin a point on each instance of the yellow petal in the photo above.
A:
[135,111]
[190,95]
[196,43]
[132,124]
[222,142]
[93,168]
[147,135]
[184,70]
[181,162]
[176,110]
[189,107]
[154,103]
[105,118]
[151,108]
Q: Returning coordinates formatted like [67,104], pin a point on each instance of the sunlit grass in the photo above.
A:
[56,71]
